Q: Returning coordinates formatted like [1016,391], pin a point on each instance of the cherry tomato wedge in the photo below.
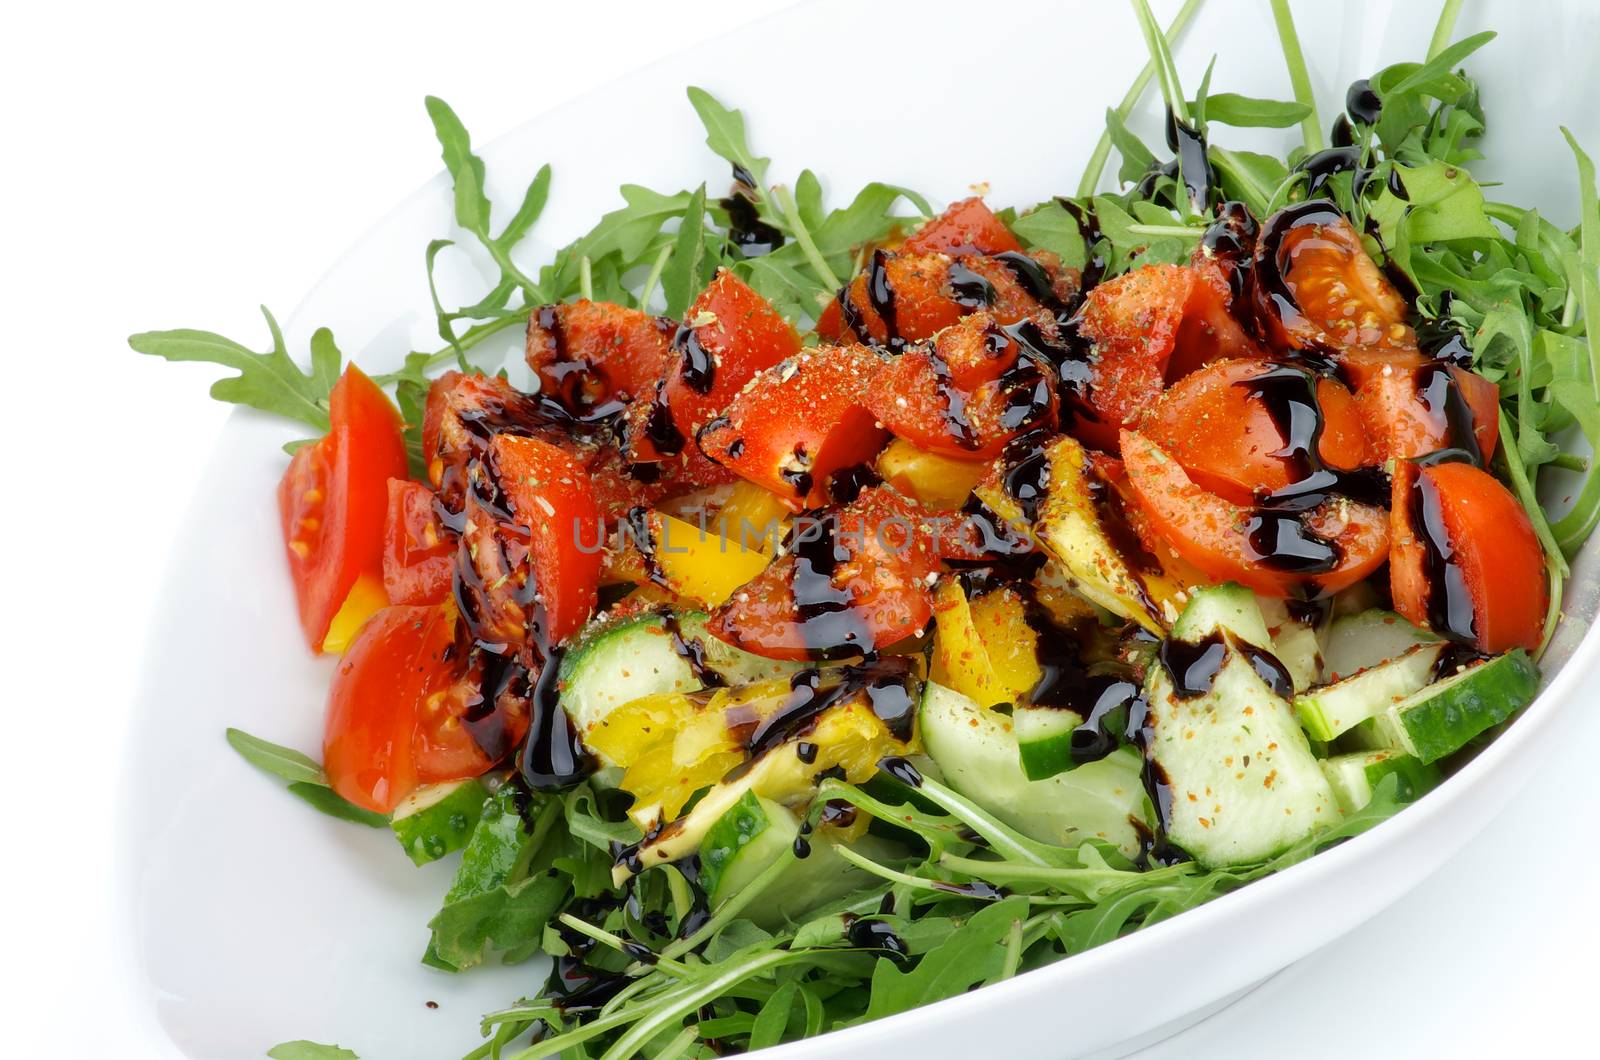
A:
[856,579]
[417,550]
[393,716]
[965,395]
[1148,325]
[1228,437]
[1465,559]
[1414,405]
[903,298]
[730,334]
[966,227]
[1331,547]
[587,353]
[1317,288]
[552,500]
[798,422]
[333,497]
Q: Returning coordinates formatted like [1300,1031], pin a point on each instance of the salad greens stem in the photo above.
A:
[1161,56]
[585,279]
[616,942]
[1174,231]
[1445,29]
[1523,486]
[802,235]
[1000,838]
[1013,952]
[679,1045]
[732,907]
[661,1015]
[885,872]
[654,276]
[1299,78]
[1102,148]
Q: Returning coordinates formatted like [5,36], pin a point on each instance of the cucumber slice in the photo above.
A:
[1044,739]
[1441,718]
[1353,776]
[1295,643]
[977,751]
[752,834]
[1361,641]
[1242,780]
[743,841]
[620,661]
[1330,710]
[437,819]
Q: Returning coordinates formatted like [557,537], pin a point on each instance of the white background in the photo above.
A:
[177,164]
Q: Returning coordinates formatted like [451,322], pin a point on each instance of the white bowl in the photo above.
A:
[254,920]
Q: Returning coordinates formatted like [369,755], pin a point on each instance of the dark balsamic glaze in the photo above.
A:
[699,911]
[888,683]
[1453,659]
[1448,409]
[1442,338]
[972,290]
[1193,667]
[659,426]
[846,484]
[1193,158]
[1267,667]
[699,368]
[869,934]
[901,770]
[1343,134]
[1362,103]
[1114,696]
[692,650]
[1449,600]
[753,236]
[1324,165]
[880,293]
[1231,241]
[1095,264]
[806,751]
[1271,265]
[830,624]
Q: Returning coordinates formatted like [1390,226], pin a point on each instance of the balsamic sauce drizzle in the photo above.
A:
[1449,600]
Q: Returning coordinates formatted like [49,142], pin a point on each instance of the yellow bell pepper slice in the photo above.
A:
[1000,619]
[699,564]
[940,482]
[983,648]
[753,517]
[365,599]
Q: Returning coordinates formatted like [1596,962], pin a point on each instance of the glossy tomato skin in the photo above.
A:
[967,226]
[389,724]
[1413,405]
[1465,560]
[333,498]
[552,500]
[1230,442]
[1147,326]
[588,354]
[730,333]
[1317,288]
[859,580]
[798,422]
[965,395]
[417,550]
[1211,534]
[925,293]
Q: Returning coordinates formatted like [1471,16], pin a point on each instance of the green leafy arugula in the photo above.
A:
[304,1050]
[305,777]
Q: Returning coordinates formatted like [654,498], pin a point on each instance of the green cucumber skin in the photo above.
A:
[1044,740]
[1440,719]
[739,839]
[446,826]
[1354,776]
[1331,710]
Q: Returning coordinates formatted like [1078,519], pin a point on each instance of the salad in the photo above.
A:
[838,609]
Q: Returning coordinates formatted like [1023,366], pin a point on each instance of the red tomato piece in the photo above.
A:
[966,227]
[1219,538]
[1413,405]
[417,551]
[587,354]
[393,716]
[1317,288]
[1228,439]
[332,500]
[552,499]
[1465,560]
[731,333]
[965,394]
[798,422]
[857,579]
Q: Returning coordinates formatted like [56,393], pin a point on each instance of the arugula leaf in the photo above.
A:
[689,268]
[305,777]
[1251,178]
[1230,108]
[304,1050]
[326,800]
[1137,159]
[508,917]
[725,135]
[1050,227]
[269,381]
[970,956]
[280,761]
